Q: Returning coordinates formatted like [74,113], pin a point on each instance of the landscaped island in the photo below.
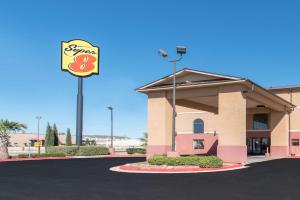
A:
[164,162]
[182,164]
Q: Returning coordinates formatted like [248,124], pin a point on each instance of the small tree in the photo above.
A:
[6,127]
[87,142]
[93,142]
[144,139]
[55,135]
[68,138]
[51,137]
[48,135]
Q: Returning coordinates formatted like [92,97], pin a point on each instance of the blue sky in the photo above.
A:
[259,40]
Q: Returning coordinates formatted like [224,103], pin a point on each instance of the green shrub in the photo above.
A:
[92,151]
[67,150]
[79,151]
[42,155]
[136,150]
[200,161]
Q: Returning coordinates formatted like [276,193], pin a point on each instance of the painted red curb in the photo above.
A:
[295,157]
[29,159]
[70,157]
[123,156]
[190,169]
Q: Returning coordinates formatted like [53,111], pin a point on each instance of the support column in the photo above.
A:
[279,134]
[232,125]
[159,124]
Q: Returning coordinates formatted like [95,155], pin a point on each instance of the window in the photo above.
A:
[260,122]
[198,126]
[295,142]
[198,144]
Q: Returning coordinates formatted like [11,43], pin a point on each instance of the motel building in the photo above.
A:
[229,116]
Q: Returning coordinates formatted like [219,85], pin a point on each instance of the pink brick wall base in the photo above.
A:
[184,144]
[157,149]
[279,151]
[295,149]
[231,153]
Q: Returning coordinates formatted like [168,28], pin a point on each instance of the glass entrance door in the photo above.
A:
[258,146]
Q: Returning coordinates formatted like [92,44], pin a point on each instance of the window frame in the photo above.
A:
[254,121]
[195,144]
[297,142]
[198,122]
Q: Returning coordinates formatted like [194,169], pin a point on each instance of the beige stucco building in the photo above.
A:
[224,115]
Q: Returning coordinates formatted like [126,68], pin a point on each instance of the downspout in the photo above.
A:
[291,101]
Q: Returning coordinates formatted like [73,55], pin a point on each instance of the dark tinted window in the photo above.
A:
[198,126]
[295,142]
[260,122]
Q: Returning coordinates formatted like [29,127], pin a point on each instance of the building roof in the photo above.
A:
[288,87]
[216,79]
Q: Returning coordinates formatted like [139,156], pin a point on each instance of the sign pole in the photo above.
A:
[79,117]
[81,59]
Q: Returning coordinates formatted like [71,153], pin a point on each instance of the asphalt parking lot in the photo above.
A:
[87,179]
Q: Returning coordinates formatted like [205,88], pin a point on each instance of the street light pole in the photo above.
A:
[174,108]
[111,126]
[180,50]
[39,148]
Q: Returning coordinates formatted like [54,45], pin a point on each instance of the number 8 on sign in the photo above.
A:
[83,63]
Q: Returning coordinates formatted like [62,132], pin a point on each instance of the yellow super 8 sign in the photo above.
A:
[80,58]
[38,144]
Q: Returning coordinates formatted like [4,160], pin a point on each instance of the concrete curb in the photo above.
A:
[127,169]
[70,157]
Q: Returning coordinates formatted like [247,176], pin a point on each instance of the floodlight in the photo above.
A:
[110,108]
[162,53]
[181,50]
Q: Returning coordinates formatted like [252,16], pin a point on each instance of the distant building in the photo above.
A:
[120,142]
[23,139]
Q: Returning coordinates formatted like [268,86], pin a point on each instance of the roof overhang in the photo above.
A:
[187,70]
[218,80]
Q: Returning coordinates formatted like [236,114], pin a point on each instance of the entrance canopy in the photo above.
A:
[198,89]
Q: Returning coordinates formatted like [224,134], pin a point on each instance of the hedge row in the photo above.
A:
[200,161]
[92,150]
[136,150]
[42,155]
[68,150]
[79,151]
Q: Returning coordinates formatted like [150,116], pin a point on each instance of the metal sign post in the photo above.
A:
[79,117]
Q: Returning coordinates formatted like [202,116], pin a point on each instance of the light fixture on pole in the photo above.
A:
[39,147]
[181,50]
[111,126]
